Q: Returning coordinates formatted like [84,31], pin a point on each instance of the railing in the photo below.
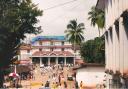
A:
[53,46]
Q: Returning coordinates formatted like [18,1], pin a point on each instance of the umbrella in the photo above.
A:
[13,75]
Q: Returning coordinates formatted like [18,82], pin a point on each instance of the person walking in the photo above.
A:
[81,85]
[65,85]
[47,84]
[76,85]
[56,85]
[42,87]
[59,78]
[53,86]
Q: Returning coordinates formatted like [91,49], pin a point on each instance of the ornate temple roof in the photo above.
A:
[52,54]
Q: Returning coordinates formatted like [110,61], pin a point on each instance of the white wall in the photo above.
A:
[23,52]
[47,49]
[34,50]
[67,43]
[46,43]
[68,49]
[36,43]
[116,51]
[57,49]
[57,43]
[90,75]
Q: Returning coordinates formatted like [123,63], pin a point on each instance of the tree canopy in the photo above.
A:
[93,51]
[97,17]
[74,32]
[17,17]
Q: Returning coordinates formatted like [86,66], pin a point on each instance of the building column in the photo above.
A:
[110,51]
[126,50]
[15,68]
[56,60]
[106,51]
[65,61]
[114,48]
[74,60]
[120,6]
[40,61]
[124,31]
[121,37]
[117,46]
[49,61]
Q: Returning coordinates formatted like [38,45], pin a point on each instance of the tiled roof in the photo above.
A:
[25,47]
[52,53]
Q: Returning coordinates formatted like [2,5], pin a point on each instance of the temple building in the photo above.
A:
[116,42]
[48,50]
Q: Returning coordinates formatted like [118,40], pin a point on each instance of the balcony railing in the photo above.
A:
[53,46]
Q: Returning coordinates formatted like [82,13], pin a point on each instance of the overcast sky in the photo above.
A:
[56,16]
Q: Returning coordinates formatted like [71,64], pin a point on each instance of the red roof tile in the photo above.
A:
[25,47]
[52,53]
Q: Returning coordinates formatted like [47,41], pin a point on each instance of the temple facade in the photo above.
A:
[48,50]
[116,42]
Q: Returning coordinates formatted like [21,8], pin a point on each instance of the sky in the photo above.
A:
[58,13]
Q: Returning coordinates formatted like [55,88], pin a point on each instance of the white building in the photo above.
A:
[116,41]
[48,50]
[91,75]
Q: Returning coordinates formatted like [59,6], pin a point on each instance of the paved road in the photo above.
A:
[47,76]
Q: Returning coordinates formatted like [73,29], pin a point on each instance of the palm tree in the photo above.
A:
[74,34]
[97,17]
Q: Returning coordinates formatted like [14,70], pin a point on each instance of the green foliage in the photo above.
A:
[74,32]
[97,17]
[7,71]
[17,17]
[93,51]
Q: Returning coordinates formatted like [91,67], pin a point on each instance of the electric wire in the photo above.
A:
[59,5]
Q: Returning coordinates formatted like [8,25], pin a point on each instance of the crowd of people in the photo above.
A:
[57,78]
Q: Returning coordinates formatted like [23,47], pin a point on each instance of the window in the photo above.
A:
[28,51]
[51,49]
[62,42]
[40,42]
[51,43]
[46,43]
[40,49]
[62,49]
